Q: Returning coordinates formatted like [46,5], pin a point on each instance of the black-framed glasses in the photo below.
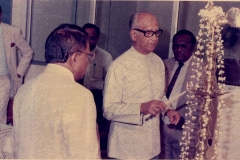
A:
[184,46]
[90,55]
[148,33]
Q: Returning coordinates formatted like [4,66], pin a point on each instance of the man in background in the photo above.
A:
[54,116]
[134,94]
[183,46]
[95,76]
[12,71]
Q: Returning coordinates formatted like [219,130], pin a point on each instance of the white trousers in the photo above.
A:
[5,88]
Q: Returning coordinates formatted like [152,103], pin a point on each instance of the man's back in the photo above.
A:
[57,121]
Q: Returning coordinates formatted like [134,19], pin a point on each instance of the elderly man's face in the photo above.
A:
[143,44]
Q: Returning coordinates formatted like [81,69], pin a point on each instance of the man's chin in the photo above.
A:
[151,48]
[180,59]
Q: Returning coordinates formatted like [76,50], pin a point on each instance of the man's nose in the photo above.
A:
[91,40]
[180,48]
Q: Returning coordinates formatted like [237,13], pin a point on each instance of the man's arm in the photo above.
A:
[108,62]
[26,53]
[113,106]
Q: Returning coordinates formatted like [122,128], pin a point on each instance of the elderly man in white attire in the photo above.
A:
[134,94]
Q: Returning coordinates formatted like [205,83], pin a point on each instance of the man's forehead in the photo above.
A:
[147,17]
[183,37]
[148,22]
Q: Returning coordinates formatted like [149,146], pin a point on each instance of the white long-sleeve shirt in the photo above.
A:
[55,118]
[97,69]
[132,79]
[177,88]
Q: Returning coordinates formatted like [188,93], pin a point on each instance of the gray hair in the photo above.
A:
[133,22]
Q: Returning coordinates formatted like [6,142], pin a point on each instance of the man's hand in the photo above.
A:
[152,107]
[173,116]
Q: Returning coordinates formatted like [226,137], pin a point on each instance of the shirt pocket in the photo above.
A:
[97,71]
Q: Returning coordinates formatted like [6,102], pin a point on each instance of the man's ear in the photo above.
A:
[133,35]
[73,58]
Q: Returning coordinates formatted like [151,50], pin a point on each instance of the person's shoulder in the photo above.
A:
[80,88]
[103,53]
[155,56]
[81,93]
[10,26]
[10,29]
[120,62]
[169,60]
[122,58]
[28,86]
[102,50]
[6,25]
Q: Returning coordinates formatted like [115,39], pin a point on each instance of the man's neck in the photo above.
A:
[138,50]
[93,48]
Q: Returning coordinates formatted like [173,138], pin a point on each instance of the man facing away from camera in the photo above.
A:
[54,116]
[134,94]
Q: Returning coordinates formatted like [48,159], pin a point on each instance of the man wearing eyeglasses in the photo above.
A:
[183,46]
[54,116]
[134,94]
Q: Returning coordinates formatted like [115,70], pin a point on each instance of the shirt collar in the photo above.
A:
[94,50]
[137,54]
[54,68]
[187,62]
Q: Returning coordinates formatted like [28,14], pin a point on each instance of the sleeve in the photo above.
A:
[26,52]
[164,98]
[79,127]
[114,108]
[169,106]
[108,62]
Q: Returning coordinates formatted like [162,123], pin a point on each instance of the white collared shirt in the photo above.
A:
[179,82]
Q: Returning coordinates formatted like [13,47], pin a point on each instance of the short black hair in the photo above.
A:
[61,40]
[0,9]
[186,32]
[90,25]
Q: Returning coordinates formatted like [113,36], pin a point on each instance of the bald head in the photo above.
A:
[140,18]
[144,31]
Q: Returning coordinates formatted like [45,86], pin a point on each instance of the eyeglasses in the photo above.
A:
[150,33]
[183,46]
[90,55]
